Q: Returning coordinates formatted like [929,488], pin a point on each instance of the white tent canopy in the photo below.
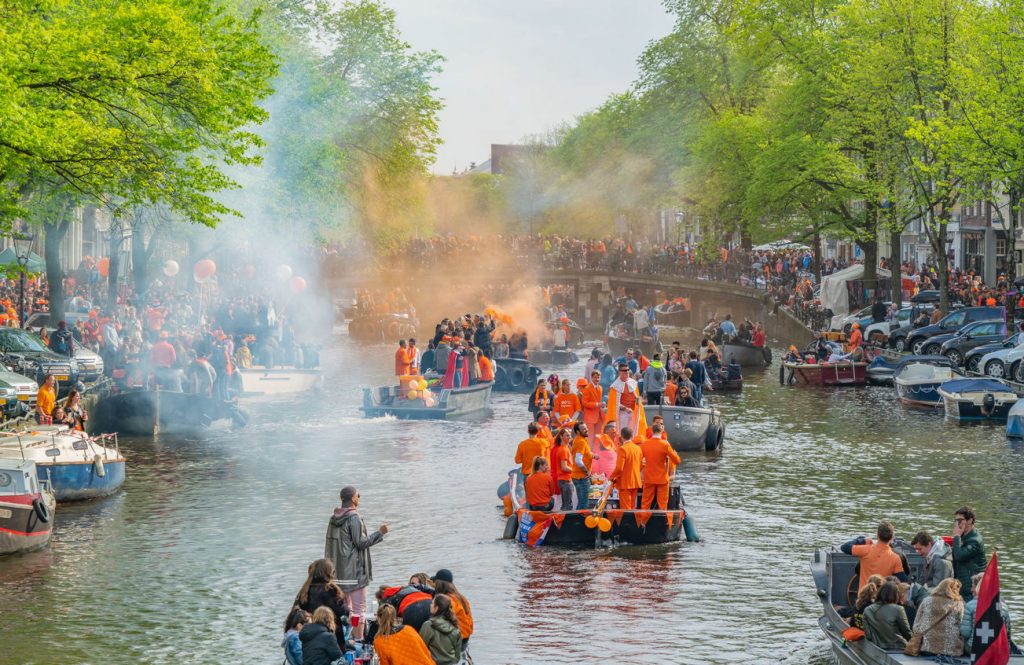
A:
[779,244]
[834,294]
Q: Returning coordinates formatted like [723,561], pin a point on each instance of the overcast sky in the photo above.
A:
[521,67]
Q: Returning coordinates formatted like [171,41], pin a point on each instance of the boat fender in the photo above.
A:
[767,354]
[503,490]
[500,377]
[690,530]
[713,437]
[511,528]
[988,404]
[516,377]
[782,375]
[41,511]
[97,462]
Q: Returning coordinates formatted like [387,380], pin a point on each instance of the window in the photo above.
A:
[954,319]
[1000,246]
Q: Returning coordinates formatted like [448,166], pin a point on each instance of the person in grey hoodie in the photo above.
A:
[938,559]
[348,547]
[441,632]
[654,380]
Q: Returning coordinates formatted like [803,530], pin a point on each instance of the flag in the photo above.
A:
[990,645]
[535,536]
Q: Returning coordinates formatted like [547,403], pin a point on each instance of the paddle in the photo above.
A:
[597,518]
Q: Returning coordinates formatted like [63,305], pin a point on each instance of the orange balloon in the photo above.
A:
[103,266]
[204,269]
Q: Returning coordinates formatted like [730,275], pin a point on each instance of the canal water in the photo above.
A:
[199,557]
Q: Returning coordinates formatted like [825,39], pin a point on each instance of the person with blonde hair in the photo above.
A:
[319,646]
[938,620]
[396,644]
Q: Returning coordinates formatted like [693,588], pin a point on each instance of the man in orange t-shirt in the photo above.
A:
[582,459]
[659,461]
[626,476]
[876,558]
[590,395]
[567,404]
[531,448]
[543,429]
[402,362]
[538,487]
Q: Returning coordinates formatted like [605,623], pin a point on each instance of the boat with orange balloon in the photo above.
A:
[422,398]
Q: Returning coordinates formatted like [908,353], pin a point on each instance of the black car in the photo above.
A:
[952,322]
[26,354]
[956,346]
[972,359]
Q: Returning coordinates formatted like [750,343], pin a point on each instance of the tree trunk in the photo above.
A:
[140,257]
[943,261]
[55,234]
[817,256]
[896,274]
[1014,194]
[114,254]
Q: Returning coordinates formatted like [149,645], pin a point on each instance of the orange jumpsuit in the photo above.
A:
[592,407]
[627,474]
[403,364]
[659,459]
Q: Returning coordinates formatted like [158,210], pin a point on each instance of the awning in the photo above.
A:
[9,257]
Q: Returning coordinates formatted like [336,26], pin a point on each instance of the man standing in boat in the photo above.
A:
[348,548]
[625,388]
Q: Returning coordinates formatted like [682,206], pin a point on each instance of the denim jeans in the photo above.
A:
[565,490]
[582,486]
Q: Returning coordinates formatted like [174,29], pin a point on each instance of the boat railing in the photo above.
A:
[513,477]
[103,440]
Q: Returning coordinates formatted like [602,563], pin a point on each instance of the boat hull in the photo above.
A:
[449,404]
[746,355]
[919,393]
[280,381]
[617,347]
[825,374]
[81,480]
[21,530]
[679,318]
[554,357]
[970,406]
[690,429]
[145,412]
[635,527]
[515,375]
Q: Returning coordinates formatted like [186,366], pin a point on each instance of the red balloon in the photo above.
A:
[103,267]
[297,284]
[204,269]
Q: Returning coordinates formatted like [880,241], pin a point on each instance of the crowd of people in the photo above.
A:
[426,621]
[935,610]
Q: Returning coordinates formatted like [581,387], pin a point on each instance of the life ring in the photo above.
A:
[782,375]
[713,438]
[516,377]
[766,353]
[500,377]
[97,462]
[41,511]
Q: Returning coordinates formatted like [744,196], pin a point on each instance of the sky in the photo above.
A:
[517,68]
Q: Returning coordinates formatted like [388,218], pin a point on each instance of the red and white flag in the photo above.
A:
[990,645]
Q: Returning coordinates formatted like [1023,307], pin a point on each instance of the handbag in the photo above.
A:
[913,647]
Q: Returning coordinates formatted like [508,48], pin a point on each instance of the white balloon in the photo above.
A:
[284,273]
[171,268]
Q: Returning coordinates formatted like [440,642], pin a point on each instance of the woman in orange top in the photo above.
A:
[398,645]
[538,487]
[567,404]
[460,606]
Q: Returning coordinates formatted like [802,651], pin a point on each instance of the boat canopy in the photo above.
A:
[938,361]
[975,386]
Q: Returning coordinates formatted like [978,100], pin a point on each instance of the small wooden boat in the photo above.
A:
[617,346]
[74,465]
[27,507]
[844,373]
[977,399]
[917,383]
[441,404]
[279,381]
[690,428]
[553,356]
[515,375]
[728,379]
[672,314]
[628,526]
[745,354]
[149,412]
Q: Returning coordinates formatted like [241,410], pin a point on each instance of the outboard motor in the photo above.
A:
[732,372]
[988,404]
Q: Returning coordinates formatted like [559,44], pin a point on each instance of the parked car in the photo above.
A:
[972,335]
[90,364]
[879,333]
[952,322]
[972,359]
[26,354]
[25,388]
[1003,363]
[861,316]
[10,405]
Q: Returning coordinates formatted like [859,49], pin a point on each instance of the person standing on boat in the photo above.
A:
[402,362]
[541,399]
[582,460]
[727,327]
[590,397]
[876,557]
[529,449]
[660,461]
[414,357]
[625,390]
[348,548]
[654,380]
[561,468]
[759,338]
[626,475]
[567,404]
[46,400]
[698,376]
[968,550]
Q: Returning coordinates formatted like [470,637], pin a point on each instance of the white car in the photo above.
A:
[27,388]
[1003,364]
[885,327]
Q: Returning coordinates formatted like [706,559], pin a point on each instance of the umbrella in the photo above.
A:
[9,258]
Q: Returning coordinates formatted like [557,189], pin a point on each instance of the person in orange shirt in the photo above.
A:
[856,337]
[582,460]
[876,558]
[538,487]
[561,468]
[671,388]
[396,644]
[655,421]
[591,395]
[605,451]
[543,427]
[486,368]
[627,470]
[531,448]
[402,361]
[659,461]
[567,404]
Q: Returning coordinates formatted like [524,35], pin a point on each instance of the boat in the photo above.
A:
[745,354]
[835,576]
[672,314]
[880,370]
[515,375]
[279,381]
[977,399]
[617,346]
[382,328]
[627,526]
[917,382]
[149,412]
[440,404]
[728,379]
[27,507]
[76,466]
[553,356]
[1015,421]
[690,428]
[845,373]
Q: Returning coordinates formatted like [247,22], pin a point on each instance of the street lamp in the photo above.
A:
[22,250]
